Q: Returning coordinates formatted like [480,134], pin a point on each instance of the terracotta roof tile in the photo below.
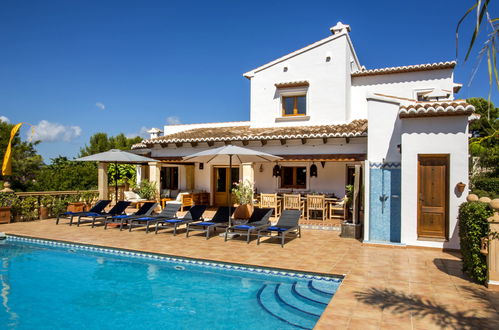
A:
[246,133]
[300,83]
[407,68]
[435,109]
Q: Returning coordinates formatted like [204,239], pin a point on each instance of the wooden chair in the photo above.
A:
[294,202]
[271,201]
[316,203]
[339,209]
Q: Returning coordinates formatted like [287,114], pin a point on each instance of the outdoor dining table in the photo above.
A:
[329,201]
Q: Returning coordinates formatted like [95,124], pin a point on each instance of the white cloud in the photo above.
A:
[5,119]
[173,120]
[142,133]
[100,105]
[51,132]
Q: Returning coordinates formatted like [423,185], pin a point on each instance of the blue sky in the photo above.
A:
[75,68]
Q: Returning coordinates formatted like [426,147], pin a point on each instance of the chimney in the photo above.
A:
[154,132]
[340,28]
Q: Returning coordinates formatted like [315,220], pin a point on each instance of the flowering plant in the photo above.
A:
[243,192]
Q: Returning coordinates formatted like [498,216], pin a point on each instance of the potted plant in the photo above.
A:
[75,205]
[146,189]
[29,208]
[59,206]
[88,197]
[243,195]
[6,201]
[46,203]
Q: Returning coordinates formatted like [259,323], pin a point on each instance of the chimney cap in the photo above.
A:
[340,28]
[154,130]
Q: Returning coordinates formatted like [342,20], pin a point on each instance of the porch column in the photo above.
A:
[155,176]
[140,173]
[248,173]
[189,177]
[102,180]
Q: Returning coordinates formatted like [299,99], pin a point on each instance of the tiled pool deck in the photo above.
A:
[384,287]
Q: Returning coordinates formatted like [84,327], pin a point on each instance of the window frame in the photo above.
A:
[293,92]
[294,185]
[164,180]
[295,105]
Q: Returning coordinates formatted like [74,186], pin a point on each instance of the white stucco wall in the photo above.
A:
[436,135]
[401,85]
[384,129]
[326,95]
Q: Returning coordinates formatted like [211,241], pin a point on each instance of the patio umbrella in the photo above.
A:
[234,155]
[116,156]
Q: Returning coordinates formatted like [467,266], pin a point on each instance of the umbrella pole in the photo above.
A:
[229,198]
[116,180]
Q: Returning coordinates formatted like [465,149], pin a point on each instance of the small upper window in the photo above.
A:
[294,105]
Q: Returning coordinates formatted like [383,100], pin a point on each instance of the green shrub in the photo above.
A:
[29,208]
[483,193]
[489,184]
[146,189]
[243,192]
[7,199]
[472,227]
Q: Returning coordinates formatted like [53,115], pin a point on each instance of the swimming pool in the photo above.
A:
[47,285]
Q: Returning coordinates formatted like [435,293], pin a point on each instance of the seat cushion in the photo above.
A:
[206,223]
[274,228]
[173,220]
[243,227]
[120,216]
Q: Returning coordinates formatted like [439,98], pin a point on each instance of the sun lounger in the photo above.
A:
[97,208]
[117,209]
[168,212]
[194,214]
[220,219]
[144,210]
[287,224]
[259,219]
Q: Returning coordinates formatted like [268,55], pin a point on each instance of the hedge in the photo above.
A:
[472,227]
[489,184]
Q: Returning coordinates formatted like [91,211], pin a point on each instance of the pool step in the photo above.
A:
[299,304]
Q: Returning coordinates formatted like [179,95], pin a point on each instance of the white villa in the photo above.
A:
[396,133]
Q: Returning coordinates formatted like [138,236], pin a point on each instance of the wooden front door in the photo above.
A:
[433,191]
[221,184]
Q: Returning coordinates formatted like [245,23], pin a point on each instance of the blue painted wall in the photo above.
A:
[384,203]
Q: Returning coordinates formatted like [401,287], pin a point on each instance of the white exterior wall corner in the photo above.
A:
[326,94]
[434,135]
[383,130]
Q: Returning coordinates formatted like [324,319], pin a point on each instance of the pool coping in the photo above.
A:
[187,260]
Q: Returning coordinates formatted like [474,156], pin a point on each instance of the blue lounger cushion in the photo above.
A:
[92,214]
[146,218]
[274,228]
[206,223]
[173,220]
[244,227]
[121,216]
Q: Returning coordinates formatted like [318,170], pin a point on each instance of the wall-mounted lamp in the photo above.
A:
[201,166]
[323,163]
[261,168]
[313,170]
[399,148]
[276,171]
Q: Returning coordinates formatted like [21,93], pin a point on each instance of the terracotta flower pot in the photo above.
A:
[243,211]
[5,214]
[76,207]
[44,213]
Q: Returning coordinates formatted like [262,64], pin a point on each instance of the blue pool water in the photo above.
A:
[54,286]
